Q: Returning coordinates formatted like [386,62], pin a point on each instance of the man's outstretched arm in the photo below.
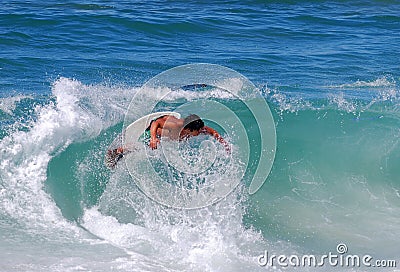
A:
[217,136]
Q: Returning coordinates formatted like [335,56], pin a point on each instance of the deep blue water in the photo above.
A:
[278,43]
[68,71]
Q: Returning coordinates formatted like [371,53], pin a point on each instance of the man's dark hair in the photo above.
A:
[193,122]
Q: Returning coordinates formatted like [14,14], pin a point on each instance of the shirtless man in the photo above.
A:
[179,129]
[172,128]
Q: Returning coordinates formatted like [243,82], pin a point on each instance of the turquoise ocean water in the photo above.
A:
[68,71]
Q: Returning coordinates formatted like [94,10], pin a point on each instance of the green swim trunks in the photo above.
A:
[145,137]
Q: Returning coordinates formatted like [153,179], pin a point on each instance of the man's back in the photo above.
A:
[167,126]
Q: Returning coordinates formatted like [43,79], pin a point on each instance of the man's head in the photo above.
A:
[193,123]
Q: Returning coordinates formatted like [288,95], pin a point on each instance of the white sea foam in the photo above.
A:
[8,104]
[342,103]
[168,94]
[208,239]
[78,113]
[384,81]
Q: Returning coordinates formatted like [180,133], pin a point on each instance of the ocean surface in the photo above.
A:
[329,71]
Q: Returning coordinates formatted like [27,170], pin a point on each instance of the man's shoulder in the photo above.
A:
[172,120]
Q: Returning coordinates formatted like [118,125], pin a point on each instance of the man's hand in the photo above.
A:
[153,143]
[215,134]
